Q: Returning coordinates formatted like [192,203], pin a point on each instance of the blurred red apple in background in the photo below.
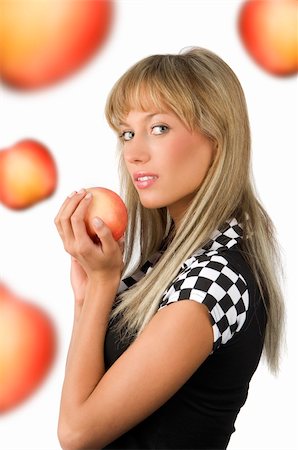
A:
[28,174]
[269,31]
[109,206]
[43,41]
[27,348]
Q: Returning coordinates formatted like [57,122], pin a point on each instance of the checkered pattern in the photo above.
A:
[207,277]
[127,282]
[210,280]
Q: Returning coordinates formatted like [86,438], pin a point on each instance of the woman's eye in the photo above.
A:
[127,135]
[159,129]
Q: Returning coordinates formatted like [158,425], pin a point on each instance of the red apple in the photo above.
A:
[43,41]
[27,348]
[28,174]
[107,205]
[268,29]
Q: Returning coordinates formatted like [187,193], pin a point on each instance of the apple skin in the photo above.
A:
[268,29]
[27,348]
[28,174]
[43,41]
[108,206]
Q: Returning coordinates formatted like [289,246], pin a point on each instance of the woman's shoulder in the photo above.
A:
[222,281]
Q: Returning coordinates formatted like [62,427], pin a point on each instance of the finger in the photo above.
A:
[67,211]
[64,204]
[57,220]
[78,219]
[104,234]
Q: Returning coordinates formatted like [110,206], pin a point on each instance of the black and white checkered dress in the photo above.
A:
[202,413]
[208,277]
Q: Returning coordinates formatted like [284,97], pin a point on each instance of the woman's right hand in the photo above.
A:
[92,261]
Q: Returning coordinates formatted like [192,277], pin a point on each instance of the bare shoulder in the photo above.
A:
[185,329]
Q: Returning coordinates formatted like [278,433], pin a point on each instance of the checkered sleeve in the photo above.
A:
[213,282]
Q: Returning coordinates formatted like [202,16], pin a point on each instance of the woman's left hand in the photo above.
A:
[100,260]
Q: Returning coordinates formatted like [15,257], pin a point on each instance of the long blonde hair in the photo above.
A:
[205,93]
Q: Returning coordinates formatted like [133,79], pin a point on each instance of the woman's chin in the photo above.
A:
[151,203]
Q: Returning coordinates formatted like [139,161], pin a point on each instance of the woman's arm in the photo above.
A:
[97,407]
[173,345]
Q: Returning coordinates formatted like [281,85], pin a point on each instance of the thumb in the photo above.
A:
[103,233]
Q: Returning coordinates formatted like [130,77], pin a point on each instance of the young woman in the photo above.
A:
[162,357]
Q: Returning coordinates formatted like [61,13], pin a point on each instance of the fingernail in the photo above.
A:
[97,222]
[88,196]
[81,191]
[72,194]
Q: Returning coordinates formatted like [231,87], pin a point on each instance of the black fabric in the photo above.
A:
[202,414]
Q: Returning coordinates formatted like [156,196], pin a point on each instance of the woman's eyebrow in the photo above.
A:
[147,117]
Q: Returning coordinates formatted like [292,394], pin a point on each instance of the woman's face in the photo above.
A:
[167,162]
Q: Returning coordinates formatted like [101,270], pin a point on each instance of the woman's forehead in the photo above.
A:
[146,100]
[143,103]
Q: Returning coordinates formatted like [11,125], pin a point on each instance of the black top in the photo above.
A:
[201,415]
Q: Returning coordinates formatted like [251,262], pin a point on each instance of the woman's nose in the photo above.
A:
[136,151]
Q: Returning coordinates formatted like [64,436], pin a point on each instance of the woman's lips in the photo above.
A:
[144,180]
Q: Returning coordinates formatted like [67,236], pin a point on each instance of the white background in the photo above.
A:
[69,119]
